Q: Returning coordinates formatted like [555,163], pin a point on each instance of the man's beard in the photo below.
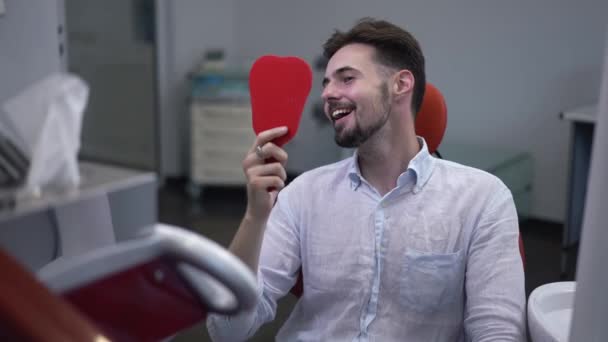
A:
[358,135]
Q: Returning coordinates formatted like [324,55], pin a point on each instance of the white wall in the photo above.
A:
[28,44]
[186,29]
[506,68]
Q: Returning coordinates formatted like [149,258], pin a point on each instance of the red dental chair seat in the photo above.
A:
[145,289]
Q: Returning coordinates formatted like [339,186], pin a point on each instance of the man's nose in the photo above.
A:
[329,92]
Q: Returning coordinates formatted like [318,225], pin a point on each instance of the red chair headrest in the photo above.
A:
[432,118]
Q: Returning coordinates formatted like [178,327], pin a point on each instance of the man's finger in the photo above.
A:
[268,136]
[266,182]
[270,150]
[274,169]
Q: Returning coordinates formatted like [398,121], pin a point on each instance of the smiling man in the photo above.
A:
[393,243]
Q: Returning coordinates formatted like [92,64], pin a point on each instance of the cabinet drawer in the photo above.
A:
[221,116]
[219,177]
[216,166]
[220,136]
[224,159]
[236,139]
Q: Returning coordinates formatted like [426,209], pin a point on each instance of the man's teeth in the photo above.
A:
[339,113]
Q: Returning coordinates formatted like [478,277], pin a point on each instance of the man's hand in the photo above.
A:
[264,166]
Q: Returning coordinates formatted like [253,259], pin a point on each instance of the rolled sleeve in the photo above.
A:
[234,328]
[277,273]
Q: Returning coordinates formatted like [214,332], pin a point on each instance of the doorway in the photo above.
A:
[111,45]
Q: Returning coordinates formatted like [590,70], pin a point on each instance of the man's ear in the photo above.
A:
[403,82]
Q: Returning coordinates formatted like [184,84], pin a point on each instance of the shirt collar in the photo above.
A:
[354,173]
[421,165]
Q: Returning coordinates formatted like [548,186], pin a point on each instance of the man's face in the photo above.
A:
[355,94]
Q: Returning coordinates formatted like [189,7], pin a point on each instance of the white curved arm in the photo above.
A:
[219,278]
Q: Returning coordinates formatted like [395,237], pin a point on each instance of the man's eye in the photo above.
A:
[348,79]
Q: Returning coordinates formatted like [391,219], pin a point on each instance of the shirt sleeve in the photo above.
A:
[495,290]
[277,272]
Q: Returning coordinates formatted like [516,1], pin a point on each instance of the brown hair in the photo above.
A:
[395,48]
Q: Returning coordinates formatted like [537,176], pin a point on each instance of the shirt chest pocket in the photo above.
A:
[432,285]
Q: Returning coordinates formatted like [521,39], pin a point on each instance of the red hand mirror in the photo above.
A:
[279,87]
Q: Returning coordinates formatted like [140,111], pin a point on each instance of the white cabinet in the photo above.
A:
[220,135]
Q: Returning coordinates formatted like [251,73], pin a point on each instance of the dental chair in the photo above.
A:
[431,123]
[29,311]
[145,289]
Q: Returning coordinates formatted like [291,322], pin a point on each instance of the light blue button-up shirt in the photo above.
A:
[435,259]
